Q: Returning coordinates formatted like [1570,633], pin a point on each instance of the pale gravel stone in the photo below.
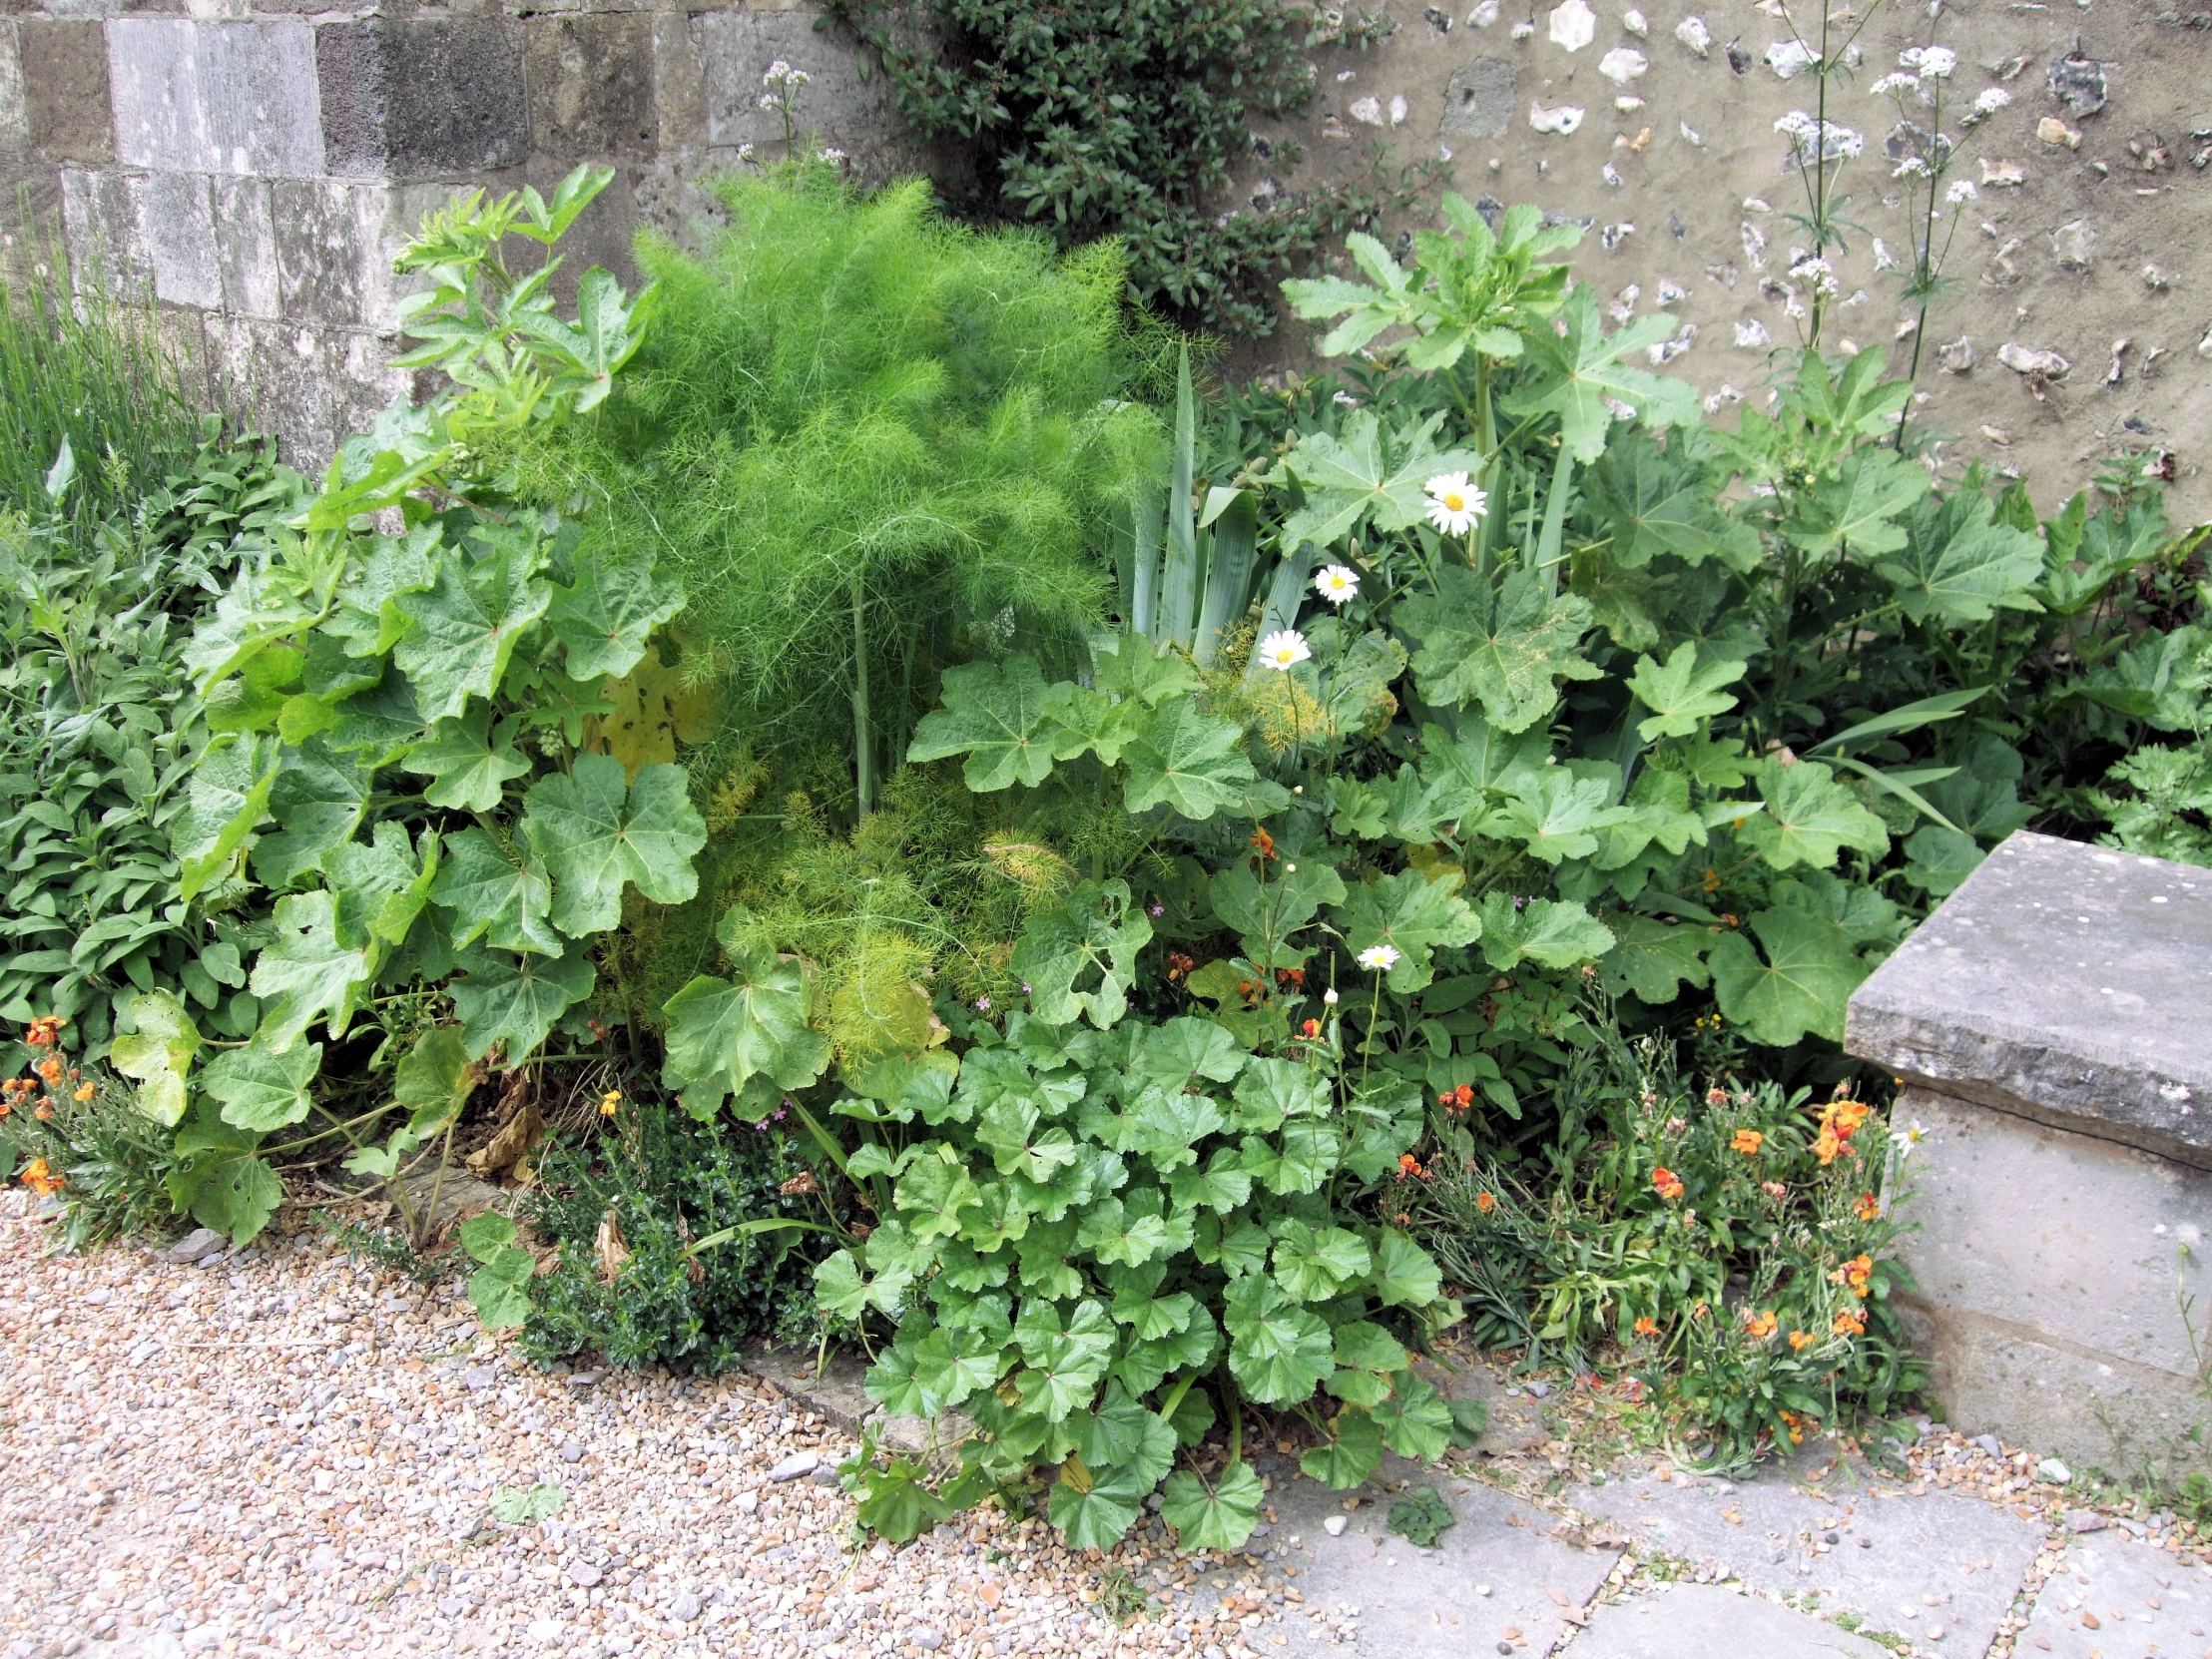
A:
[301,1460]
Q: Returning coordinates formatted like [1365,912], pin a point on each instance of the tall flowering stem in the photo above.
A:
[1818,167]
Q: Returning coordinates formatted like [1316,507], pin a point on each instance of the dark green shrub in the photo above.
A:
[1095,120]
[660,1183]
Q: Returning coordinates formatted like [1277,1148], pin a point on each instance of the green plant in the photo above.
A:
[678,1240]
[860,435]
[1730,1243]
[102,731]
[86,375]
[79,1143]
[408,704]
[1421,1517]
[1124,122]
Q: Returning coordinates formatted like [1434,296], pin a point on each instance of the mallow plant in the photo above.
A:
[408,683]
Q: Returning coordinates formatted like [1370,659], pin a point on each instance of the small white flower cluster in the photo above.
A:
[1913,167]
[1992,100]
[1819,274]
[1960,193]
[783,83]
[1934,63]
[1895,85]
[1815,140]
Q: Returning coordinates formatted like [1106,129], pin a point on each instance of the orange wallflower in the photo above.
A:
[610,1103]
[1857,1272]
[1849,1324]
[1647,1327]
[1486,1202]
[1264,843]
[40,1179]
[1408,1165]
[45,1031]
[1716,1096]
[1760,1326]
[1748,1142]
[1802,1340]
[1311,1029]
[84,1091]
[1666,1183]
[51,1069]
[1827,1145]
[1868,1206]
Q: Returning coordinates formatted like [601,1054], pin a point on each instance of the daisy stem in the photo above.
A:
[1367,1044]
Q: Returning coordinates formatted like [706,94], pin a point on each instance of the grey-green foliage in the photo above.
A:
[864,435]
[98,730]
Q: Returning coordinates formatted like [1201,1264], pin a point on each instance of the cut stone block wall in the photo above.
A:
[2048,1020]
[256,166]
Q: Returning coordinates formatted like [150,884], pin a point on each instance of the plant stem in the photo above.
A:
[864,758]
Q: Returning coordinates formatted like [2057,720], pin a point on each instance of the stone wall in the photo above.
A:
[257,172]
[258,168]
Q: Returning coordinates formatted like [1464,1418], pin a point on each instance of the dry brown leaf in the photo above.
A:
[613,1251]
[522,1130]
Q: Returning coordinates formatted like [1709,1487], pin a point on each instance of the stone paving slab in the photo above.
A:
[1915,1566]
[1494,1577]
[2113,1597]
[1705,1621]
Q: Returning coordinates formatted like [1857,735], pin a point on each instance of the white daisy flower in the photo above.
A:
[1380,957]
[1453,505]
[1337,584]
[1280,649]
[1905,1140]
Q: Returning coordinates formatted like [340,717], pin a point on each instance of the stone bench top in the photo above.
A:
[2065,982]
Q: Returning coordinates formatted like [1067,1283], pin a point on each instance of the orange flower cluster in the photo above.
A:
[45,1031]
[1858,1272]
[1486,1202]
[1840,1120]
[1760,1326]
[1264,844]
[1797,1426]
[1455,1101]
[1748,1142]
[14,1092]
[1802,1340]
[1291,979]
[1666,1183]
[1868,1206]
[1311,1029]
[1408,1165]
[41,1180]
[1849,1324]
[1179,965]
[1647,1327]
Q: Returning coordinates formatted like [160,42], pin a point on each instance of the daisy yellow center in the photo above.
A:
[1455,502]
[1283,654]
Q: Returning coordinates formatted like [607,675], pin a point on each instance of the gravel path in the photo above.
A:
[288,1454]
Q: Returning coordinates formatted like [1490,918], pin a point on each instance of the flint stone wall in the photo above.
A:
[256,166]
[2050,1023]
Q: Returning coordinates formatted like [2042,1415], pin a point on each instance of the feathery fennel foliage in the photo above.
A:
[872,441]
